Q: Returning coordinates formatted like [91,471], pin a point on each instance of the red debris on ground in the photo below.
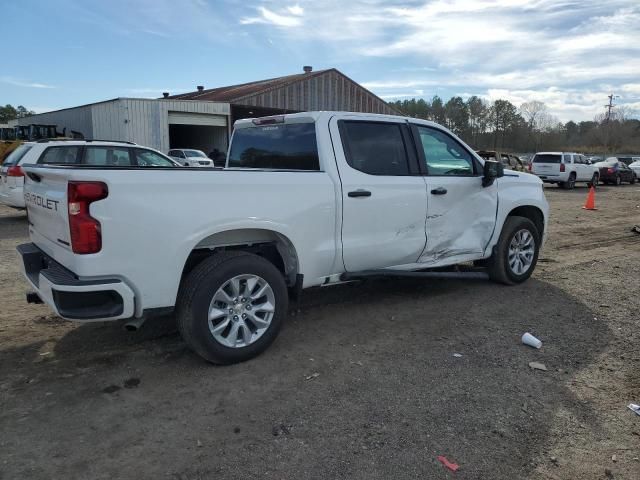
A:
[451,466]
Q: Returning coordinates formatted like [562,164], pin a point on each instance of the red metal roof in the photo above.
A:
[236,92]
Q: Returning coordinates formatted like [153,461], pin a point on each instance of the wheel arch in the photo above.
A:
[274,246]
[531,212]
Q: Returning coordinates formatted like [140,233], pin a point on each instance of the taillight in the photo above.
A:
[15,171]
[562,167]
[86,235]
[530,166]
[611,170]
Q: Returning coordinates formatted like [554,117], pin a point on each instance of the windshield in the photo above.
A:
[547,158]
[15,156]
[194,153]
[284,146]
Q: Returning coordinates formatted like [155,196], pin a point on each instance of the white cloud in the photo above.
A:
[272,18]
[296,10]
[20,83]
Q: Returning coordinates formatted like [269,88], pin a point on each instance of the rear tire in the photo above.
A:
[571,183]
[618,180]
[594,181]
[633,179]
[500,265]
[196,304]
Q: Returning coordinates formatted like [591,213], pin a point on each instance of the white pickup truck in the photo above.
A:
[305,200]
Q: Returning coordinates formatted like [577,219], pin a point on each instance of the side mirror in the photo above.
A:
[491,171]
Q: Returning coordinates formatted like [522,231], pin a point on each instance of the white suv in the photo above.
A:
[190,157]
[564,168]
[72,152]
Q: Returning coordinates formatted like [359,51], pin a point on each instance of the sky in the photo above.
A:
[568,54]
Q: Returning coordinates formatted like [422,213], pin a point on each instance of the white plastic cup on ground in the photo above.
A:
[530,340]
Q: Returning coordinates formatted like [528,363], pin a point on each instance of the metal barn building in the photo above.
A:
[320,90]
[202,119]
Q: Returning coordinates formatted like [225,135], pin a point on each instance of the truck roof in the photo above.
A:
[313,116]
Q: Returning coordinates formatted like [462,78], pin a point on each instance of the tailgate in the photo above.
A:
[546,164]
[45,195]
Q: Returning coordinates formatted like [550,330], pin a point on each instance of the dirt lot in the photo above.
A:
[96,402]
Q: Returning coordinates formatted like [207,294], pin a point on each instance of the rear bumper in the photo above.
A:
[607,177]
[12,197]
[551,178]
[72,298]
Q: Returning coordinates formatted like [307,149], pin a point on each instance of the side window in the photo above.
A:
[180,154]
[375,148]
[504,158]
[60,155]
[14,157]
[147,158]
[107,156]
[567,159]
[444,155]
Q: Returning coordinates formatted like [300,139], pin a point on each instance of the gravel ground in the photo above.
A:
[362,382]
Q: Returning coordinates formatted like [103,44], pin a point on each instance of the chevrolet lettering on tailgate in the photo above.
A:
[40,201]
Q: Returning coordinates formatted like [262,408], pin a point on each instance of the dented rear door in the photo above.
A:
[384,200]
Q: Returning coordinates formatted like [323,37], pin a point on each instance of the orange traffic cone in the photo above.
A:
[590,204]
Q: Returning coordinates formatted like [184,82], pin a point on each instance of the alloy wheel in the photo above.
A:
[241,311]
[521,251]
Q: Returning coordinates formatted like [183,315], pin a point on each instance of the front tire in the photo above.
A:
[618,180]
[516,254]
[231,307]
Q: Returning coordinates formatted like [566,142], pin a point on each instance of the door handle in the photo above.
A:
[439,191]
[359,193]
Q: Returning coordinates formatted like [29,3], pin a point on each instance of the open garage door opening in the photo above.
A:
[198,131]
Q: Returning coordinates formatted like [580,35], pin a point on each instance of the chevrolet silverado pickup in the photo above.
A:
[305,200]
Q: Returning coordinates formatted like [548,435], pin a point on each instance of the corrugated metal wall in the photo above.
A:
[108,121]
[78,119]
[327,91]
[146,121]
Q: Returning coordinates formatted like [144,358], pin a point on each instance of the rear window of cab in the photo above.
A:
[289,146]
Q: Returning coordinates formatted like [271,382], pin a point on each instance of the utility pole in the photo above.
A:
[609,106]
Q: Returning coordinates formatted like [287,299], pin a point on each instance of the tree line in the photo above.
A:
[9,112]
[500,125]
